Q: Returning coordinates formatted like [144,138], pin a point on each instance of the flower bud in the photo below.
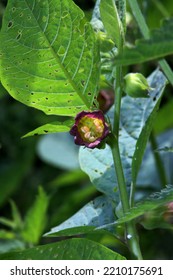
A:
[90,129]
[136,85]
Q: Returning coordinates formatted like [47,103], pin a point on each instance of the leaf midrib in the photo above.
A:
[57,59]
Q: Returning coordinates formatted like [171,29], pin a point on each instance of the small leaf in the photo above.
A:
[6,222]
[159,45]
[55,67]
[92,215]
[35,218]
[152,202]
[51,128]
[72,249]
[16,215]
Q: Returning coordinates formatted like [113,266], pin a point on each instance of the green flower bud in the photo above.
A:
[136,85]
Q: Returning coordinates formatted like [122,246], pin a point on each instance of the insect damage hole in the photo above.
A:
[10,24]
[19,36]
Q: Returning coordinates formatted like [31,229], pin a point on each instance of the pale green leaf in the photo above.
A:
[59,150]
[135,112]
[157,83]
[9,245]
[94,214]
[149,174]
[49,57]
[53,127]
[35,218]
[159,45]
[71,249]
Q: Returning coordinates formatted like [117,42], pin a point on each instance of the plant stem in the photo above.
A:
[158,161]
[146,33]
[131,234]
[167,70]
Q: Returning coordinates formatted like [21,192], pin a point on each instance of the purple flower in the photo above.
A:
[89,129]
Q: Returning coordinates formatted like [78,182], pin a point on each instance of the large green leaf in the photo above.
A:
[92,215]
[72,249]
[159,45]
[49,56]
[135,113]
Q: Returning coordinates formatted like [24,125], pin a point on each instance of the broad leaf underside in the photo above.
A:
[137,117]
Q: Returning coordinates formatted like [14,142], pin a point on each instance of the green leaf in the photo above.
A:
[159,45]
[16,215]
[135,112]
[152,202]
[58,126]
[7,245]
[49,56]
[92,215]
[111,20]
[157,82]
[72,249]
[35,218]
[7,222]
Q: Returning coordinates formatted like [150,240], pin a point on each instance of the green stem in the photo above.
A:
[158,161]
[167,70]
[131,234]
[146,33]
[117,103]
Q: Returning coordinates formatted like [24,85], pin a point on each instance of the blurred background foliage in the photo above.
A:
[51,162]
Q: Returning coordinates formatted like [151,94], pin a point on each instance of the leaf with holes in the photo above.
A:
[94,214]
[58,126]
[137,117]
[71,249]
[49,57]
